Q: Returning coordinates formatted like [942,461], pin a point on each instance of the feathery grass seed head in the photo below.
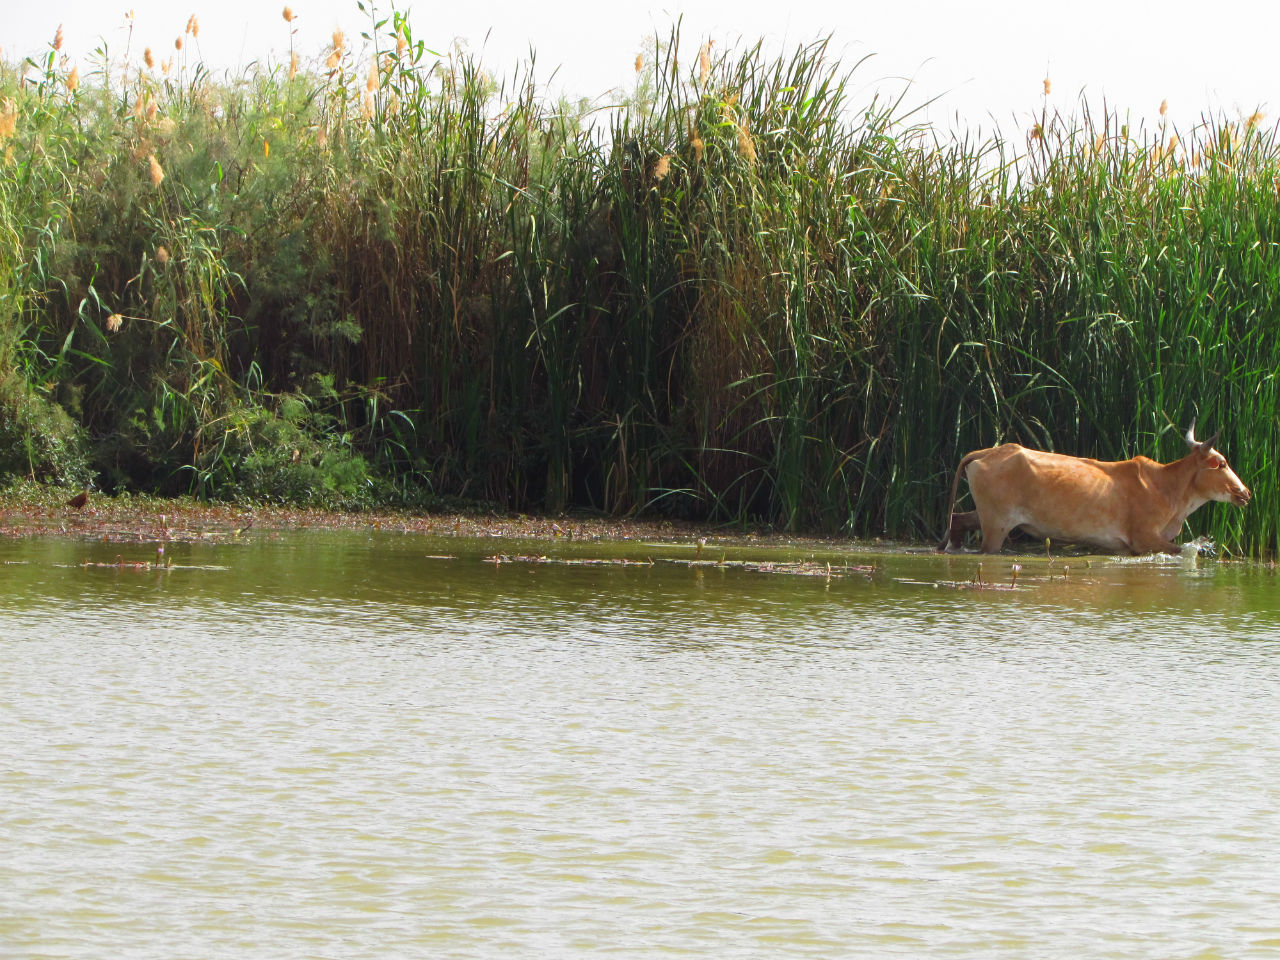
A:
[288,14]
[1048,86]
[73,78]
[149,59]
[57,38]
[8,118]
[113,322]
[157,172]
[746,143]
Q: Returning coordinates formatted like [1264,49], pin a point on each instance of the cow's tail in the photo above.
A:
[955,488]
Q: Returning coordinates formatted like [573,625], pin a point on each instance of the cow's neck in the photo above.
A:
[1178,487]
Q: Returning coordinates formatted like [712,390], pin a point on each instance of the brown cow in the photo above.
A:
[1122,506]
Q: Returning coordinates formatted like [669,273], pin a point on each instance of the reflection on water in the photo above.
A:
[334,745]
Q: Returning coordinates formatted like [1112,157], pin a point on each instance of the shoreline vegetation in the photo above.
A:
[379,277]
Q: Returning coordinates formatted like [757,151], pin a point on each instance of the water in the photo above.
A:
[337,745]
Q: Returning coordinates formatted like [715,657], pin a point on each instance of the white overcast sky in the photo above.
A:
[982,60]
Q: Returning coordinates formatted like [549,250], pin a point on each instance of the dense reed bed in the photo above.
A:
[732,295]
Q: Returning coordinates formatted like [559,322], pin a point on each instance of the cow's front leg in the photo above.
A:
[1154,544]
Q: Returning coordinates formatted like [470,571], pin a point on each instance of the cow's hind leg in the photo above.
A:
[961,523]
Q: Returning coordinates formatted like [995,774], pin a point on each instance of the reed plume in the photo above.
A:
[8,118]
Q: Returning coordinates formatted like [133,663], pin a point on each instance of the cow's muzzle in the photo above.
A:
[1242,497]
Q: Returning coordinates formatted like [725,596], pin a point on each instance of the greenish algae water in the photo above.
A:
[322,744]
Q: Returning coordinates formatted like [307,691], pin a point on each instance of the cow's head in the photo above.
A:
[1215,480]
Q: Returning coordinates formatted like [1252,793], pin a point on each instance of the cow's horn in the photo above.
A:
[1191,435]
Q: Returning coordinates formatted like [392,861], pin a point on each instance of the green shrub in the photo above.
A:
[37,437]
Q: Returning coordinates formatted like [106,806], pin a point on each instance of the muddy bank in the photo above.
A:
[29,510]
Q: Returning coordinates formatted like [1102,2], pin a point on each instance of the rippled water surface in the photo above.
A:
[341,745]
